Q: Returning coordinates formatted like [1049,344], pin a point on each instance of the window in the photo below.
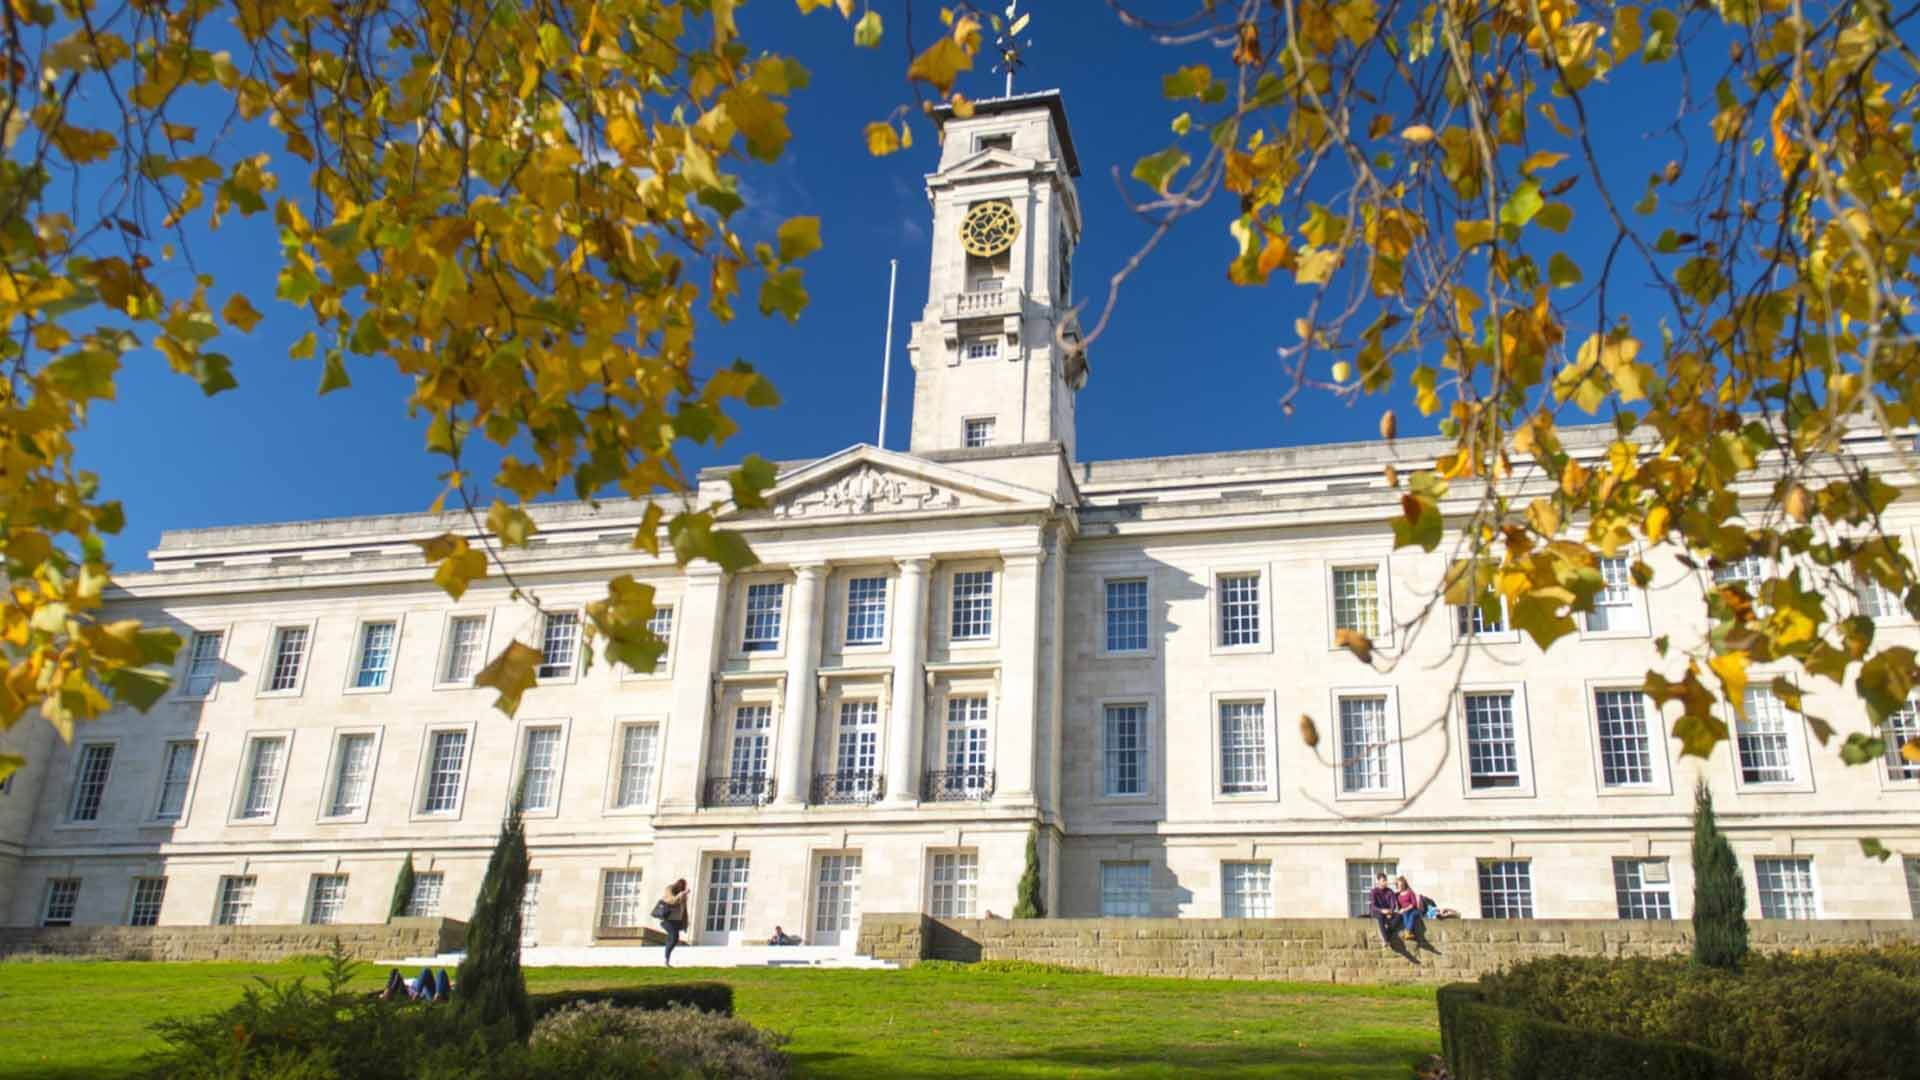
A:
[1613,606]
[1125,890]
[972,605]
[661,626]
[622,903]
[203,664]
[376,656]
[1001,141]
[234,905]
[1765,754]
[540,769]
[836,896]
[748,755]
[1127,616]
[1506,889]
[764,604]
[866,611]
[1626,747]
[425,901]
[857,744]
[1493,750]
[1786,887]
[1876,600]
[1239,609]
[1246,890]
[979,431]
[289,654]
[559,643]
[352,775]
[1243,747]
[1363,744]
[1356,600]
[148,894]
[90,781]
[1642,888]
[1126,750]
[327,899]
[176,773]
[983,347]
[1472,620]
[266,763]
[63,896]
[1901,728]
[1748,571]
[967,742]
[956,884]
[1360,884]
[465,640]
[529,909]
[727,894]
[446,763]
[1912,863]
[638,745]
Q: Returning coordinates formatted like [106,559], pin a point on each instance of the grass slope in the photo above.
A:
[80,1019]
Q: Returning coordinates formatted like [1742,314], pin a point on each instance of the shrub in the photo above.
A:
[708,997]
[402,890]
[493,990]
[1719,894]
[1850,1013]
[598,1039]
[1028,903]
[1488,1042]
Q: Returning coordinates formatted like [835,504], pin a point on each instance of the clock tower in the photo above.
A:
[996,357]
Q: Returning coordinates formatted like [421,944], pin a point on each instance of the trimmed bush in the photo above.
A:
[1487,1042]
[493,990]
[402,890]
[602,1040]
[707,997]
[1851,1014]
[1028,903]
[1719,893]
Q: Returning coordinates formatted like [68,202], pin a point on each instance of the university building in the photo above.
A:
[942,652]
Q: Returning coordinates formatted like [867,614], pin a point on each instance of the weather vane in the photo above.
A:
[1007,41]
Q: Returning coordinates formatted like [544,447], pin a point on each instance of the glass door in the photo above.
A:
[836,905]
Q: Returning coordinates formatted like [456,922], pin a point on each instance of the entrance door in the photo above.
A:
[726,901]
[836,903]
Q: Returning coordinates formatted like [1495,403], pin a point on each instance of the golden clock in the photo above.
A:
[989,229]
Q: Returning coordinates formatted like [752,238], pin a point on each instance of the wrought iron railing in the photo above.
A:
[754,789]
[848,788]
[958,785]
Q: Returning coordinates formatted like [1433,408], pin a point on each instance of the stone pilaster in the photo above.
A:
[1015,728]
[793,769]
[701,621]
[905,708]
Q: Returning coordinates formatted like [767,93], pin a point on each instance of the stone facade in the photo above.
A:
[941,652]
[248,944]
[1321,950]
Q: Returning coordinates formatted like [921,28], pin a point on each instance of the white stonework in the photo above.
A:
[919,673]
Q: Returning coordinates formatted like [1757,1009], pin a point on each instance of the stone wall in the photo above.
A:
[252,944]
[1321,950]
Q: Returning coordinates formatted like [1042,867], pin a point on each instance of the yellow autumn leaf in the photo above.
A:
[239,314]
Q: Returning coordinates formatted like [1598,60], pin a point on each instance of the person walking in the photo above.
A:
[672,913]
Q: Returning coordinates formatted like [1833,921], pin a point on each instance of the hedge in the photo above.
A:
[706,996]
[1486,1042]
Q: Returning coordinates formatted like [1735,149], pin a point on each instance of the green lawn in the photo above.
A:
[80,1019]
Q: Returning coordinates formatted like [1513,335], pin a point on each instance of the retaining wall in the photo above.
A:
[253,944]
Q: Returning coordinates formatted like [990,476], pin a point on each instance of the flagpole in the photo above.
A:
[886,355]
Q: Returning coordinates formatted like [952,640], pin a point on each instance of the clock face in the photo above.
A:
[989,229]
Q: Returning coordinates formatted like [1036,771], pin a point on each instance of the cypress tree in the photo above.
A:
[402,889]
[491,987]
[1719,896]
[1029,905]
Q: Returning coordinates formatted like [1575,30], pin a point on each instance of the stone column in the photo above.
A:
[700,623]
[909,656]
[793,770]
[1017,724]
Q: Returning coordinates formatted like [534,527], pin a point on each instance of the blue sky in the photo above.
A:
[1187,365]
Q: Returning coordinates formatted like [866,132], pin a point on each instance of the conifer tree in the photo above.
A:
[1030,905]
[491,988]
[402,890]
[1719,896]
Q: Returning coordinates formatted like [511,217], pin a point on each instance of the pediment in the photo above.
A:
[865,480]
[986,162]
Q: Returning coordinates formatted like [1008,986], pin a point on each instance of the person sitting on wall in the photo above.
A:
[1384,903]
[781,937]
[1431,909]
[1407,907]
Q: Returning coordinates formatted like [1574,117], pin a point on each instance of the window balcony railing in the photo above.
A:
[958,785]
[983,303]
[750,790]
[848,788]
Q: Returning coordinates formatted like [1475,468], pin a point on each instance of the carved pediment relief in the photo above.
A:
[866,490]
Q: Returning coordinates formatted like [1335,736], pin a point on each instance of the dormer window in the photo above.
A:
[999,141]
